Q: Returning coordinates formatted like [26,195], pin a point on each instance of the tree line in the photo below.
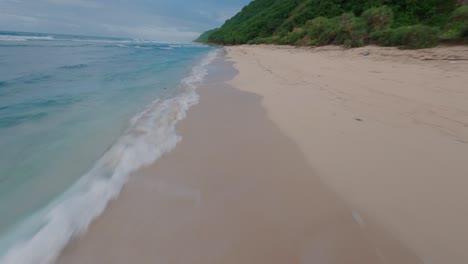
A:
[352,23]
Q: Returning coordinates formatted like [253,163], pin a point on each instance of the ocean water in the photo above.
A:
[79,115]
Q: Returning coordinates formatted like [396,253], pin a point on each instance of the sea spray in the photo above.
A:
[40,238]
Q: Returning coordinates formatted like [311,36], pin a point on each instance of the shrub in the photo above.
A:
[378,18]
[347,30]
[384,38]
[292,38]
[411,37]
[460,14]
[266,40]
[322,31]
[458,25]
[351,31]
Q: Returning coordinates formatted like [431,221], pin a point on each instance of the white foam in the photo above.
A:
[107,41]
[24,38]
[151,134]
[357,217]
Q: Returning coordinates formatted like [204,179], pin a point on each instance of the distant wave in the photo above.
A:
[151,134]
[37,78]
[10,121]
[28,79]
[74,66]
[56,101]
[4,44]
[137,43]
[24,38]
[15,114]
[97,40]
[156,45]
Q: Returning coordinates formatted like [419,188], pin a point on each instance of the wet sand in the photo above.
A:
[234,190]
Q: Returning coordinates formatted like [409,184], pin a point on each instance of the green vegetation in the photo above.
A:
[457,27]
[205,37]
[352,23]
[322,30]
[411,37]
[378,18]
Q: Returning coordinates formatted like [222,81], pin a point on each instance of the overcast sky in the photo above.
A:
[162,20]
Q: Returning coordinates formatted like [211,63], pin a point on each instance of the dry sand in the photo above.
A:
[386,129]
[235,190]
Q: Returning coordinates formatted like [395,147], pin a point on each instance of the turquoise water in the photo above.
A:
[78,115]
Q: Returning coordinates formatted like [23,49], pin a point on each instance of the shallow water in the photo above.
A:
[77,116]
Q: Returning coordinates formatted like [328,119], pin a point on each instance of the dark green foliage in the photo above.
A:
[267,40]
[460,14]
[343,22]
[347,30]
[458,25]
[322,31]
[205,37]
[411,37]
[378,18]
[292,38]
[311,9]
[352,31]
[429,12]
[259,19]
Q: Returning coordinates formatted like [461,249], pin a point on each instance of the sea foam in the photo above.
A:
[24,38]
[40,238]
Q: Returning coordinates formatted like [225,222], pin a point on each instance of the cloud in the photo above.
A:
[223,15]
[162,20]
[17,18]
[153,32]
[77,3]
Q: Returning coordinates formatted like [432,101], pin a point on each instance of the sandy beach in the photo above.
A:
[386,129]
[298,155]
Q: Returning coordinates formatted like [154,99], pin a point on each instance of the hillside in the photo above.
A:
[412,24]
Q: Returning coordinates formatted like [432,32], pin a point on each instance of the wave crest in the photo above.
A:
[151,134]
[24,38]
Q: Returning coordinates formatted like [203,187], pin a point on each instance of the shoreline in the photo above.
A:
[234,190]
[333,171]
[150,131]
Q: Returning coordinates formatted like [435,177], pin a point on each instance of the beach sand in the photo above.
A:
[304,156]
[235,190]
[386,129]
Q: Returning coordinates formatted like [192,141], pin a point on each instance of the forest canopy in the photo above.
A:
[352,23]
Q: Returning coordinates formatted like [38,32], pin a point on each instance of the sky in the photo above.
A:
[161,20]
